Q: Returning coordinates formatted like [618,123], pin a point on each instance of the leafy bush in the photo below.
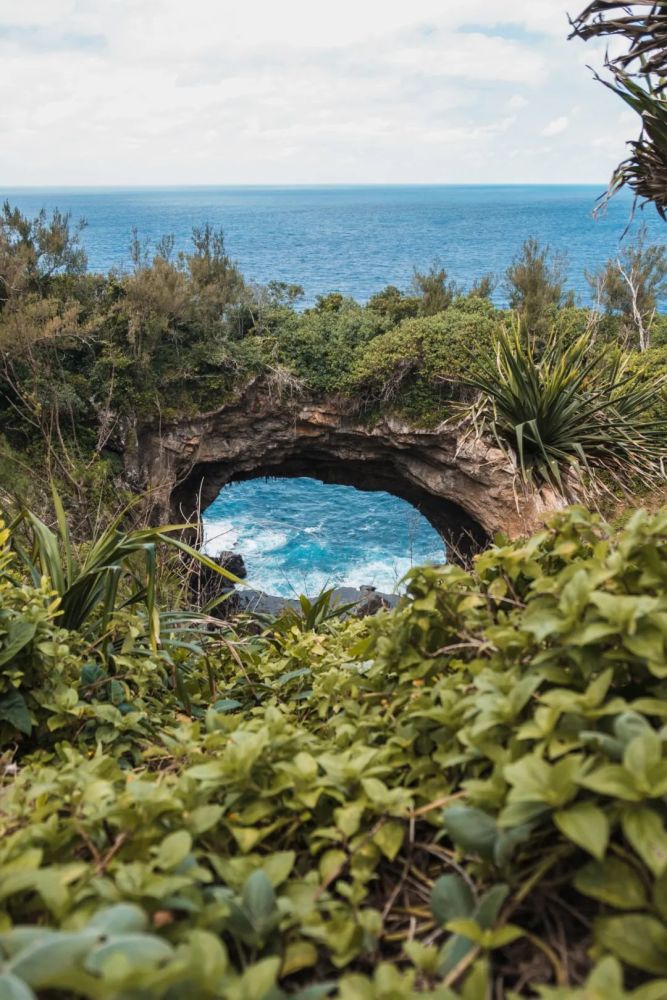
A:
[435,802]
[431,354]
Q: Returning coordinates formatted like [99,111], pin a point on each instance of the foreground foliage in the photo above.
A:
[464,792]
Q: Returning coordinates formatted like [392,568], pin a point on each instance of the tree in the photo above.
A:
[216,280]
[393,305]
[484,287]
[535,283]
[33,251]
[437,293]
[331,303]
[637,75]
[631,284]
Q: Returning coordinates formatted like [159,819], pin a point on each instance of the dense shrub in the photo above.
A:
[465,792]
[426,359]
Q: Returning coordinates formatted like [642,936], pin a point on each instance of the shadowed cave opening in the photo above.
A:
[301,527]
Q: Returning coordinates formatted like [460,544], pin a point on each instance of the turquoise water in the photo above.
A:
[299,535]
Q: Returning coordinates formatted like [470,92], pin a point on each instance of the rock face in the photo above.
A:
[465,487]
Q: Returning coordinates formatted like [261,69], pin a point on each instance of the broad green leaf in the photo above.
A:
[471,829]
[467,928]
[489,906]
[120,919]
[259,898]
[208,956]
[20,938]
[259,978]
[637,939]
[612,780]
[227,705]
[299,955]
[278,866]
[204,818]
[451,898]
[476,984]
[173,850]
[123,953]
[19,635]
[646,832]
[13,709]
[46,963]
[586,826]
[612,881]
[453,951]
[389,838]
[500,937]
[12,988]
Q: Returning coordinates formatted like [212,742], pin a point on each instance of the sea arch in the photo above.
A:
[466,487]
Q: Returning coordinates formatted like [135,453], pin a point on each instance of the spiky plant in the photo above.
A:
[572,418]
[637,75]
[117,570]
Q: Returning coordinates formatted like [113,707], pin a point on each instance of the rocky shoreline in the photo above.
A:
[208,586]
[366,600]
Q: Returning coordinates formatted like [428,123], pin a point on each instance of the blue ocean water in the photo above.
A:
[354,240]
[295,540]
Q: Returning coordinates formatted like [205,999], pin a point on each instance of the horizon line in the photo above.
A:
[296,186]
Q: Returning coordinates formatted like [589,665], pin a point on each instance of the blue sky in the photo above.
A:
[300,91]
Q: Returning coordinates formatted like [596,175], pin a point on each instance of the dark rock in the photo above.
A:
[370,602]
[206,585]
[268,604]
[233,563]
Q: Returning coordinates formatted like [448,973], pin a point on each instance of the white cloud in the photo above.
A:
[210,91]
[556,126]
[471,56]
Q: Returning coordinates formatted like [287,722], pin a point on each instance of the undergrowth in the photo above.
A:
[463,797]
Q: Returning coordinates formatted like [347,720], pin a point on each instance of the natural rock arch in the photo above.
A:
[465,487]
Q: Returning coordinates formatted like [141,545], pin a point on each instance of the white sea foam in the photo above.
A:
[260,541]
[219,535]
[310,544]
[383,574]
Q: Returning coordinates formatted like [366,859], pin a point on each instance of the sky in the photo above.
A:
[150,92]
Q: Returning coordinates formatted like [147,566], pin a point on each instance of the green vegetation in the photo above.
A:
[85,357]
[459,798]
[462,794]
[573,420]
[465,797]
[631,287]
[535,286]
[636,67]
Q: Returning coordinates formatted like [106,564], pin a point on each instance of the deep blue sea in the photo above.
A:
[354,240]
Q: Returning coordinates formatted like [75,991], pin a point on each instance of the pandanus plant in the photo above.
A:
[637,73]
[118,570]
[572,418]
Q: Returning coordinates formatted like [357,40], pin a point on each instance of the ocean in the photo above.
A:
[354,240]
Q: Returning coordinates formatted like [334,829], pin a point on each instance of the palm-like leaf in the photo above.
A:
[88,585]
[569,415]
[638,77]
